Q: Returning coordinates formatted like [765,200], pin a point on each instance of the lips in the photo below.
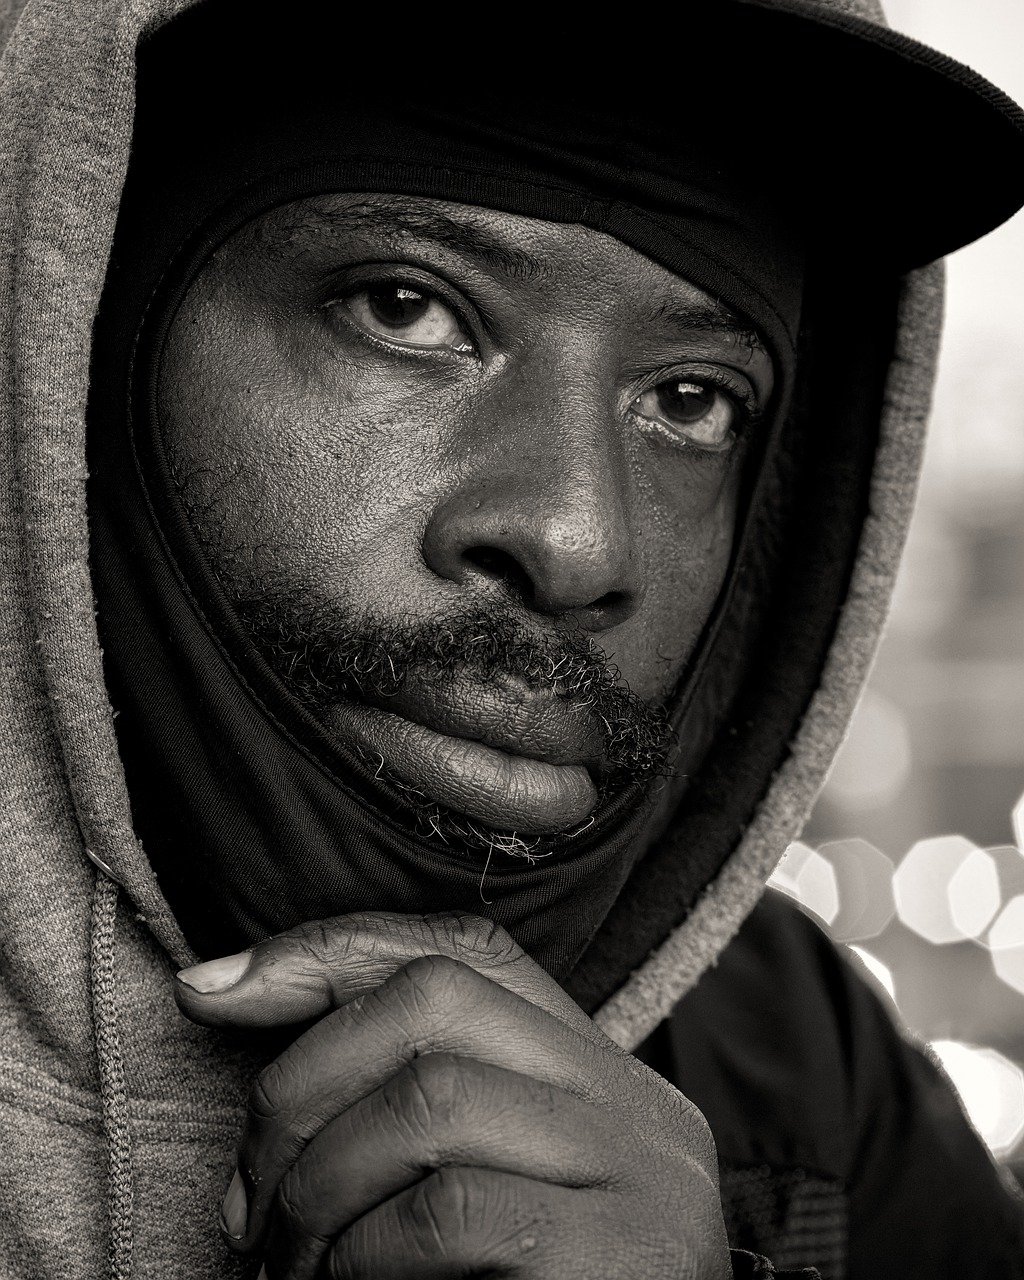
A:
[508,756]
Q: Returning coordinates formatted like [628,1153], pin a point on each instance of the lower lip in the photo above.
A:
[502,791]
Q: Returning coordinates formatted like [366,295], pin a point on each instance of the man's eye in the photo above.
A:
[408,316]
[701,412]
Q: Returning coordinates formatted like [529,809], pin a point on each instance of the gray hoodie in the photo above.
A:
[119,1118]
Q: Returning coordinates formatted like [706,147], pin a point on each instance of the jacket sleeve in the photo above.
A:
[828,1116]
[926,1198]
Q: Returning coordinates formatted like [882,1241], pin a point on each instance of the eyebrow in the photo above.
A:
[413,221]
[707,317]
[404,218]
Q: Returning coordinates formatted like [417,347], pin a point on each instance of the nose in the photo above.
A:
[546,519]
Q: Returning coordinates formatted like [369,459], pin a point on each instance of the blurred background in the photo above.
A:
[915,853]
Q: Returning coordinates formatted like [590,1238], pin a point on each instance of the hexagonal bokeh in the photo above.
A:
[808,878]
[864,875]
[974,894]
[991,1088]
[1006,943]
[947,890]
[1009,862]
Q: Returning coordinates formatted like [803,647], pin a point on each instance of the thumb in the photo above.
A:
[306,972]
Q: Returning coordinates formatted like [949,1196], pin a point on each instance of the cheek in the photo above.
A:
[687,547]
[295,465]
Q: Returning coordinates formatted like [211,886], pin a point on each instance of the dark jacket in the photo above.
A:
[841,1144]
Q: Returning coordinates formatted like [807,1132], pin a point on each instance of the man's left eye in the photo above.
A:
[408,316]
[699,411]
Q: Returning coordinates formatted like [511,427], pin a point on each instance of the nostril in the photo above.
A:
[501,567]
[611,602]
[508,572]
[608,610]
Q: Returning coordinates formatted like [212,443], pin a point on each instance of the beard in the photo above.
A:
[324,653]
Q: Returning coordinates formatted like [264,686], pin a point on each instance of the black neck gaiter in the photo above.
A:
[252,816]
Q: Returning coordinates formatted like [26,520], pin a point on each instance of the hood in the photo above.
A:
[802,627]
[789,658]
[87,937]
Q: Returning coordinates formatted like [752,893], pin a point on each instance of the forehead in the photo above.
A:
[513,248]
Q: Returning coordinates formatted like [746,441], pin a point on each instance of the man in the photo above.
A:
[498,461]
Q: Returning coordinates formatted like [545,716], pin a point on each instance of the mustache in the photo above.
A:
[323,653]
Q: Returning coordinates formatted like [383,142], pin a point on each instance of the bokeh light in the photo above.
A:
[864,875]
[1009,862]
[1006,943]
[949,679]
[808,878]
[991,1088]
[974,894]
[947,890]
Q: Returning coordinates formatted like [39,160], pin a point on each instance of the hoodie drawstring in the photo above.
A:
[113,1089]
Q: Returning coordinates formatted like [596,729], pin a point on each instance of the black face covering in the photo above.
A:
[253,817]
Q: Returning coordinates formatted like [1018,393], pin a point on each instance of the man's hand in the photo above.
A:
[452,1113]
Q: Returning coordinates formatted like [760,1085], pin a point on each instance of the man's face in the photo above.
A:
[471,481]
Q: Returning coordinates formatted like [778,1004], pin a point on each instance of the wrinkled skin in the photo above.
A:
[452,1113]
[507,450]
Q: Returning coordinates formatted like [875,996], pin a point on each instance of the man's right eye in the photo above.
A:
[406,316]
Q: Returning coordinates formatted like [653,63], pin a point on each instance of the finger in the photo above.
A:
[316,967]
[463,1222]
[439,1111]
[433,1005]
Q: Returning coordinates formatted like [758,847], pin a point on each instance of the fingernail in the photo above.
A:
[235,1208]
[216,975]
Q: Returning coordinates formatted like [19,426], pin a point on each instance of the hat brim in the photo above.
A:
[901,148]
[881,150]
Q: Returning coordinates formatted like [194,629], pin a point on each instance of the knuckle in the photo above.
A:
[291,1207]
[475,937]
[703,1140]
[478,1221]
[698,1146]
[268,1091]
[437,1090]
[321,941]
[442,1207]
[692,1119]
[434,980]
[433,1226]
